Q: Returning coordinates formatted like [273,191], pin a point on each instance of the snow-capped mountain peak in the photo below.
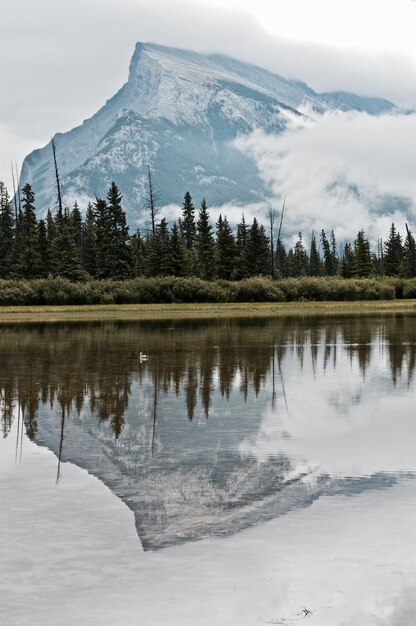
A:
[179,112]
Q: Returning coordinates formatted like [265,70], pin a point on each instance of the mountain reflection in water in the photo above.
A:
[229,423]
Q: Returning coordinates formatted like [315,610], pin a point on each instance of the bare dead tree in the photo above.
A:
[412,251]
[17,432]
[58,183]
[14,192]
[61,442]
[273,377]
[279,363]
[151,201]
[380,255]
[279,246]
[272,217]
[154,424]
[18,188]
[281,219]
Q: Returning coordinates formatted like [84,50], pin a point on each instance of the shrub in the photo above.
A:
[17,293]
[334,288]
[167,289]
[409,288]
[196,290]
[258,289]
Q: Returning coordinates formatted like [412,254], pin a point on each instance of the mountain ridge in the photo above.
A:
[178,112]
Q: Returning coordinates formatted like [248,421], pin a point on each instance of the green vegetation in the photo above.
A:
[177,290]
[99,246]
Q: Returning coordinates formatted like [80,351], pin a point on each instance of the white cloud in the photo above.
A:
[233,212]
[345,171]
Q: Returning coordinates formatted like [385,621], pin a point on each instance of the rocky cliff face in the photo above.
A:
[179,112]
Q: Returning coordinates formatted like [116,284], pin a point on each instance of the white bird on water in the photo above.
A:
[143,357]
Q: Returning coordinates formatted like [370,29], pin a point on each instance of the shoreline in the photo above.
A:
[138,312]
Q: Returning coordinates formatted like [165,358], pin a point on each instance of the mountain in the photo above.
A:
[186,483]
[179,112]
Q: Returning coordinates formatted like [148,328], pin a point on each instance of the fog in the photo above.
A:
[341,171]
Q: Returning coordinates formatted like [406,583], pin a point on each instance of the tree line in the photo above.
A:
[98,245]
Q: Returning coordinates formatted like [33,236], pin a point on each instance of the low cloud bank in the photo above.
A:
[233,211]
[344,171]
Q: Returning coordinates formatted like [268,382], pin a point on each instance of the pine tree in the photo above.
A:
[300,259]
[28,263]
[76,224]
[362,256]
[329,254]
[378,259]
[66,255]
[43,249]
[51,234]
[205,244]
[164,249]
[188,226]
[157,251]
[103,239]
[393,253]
[290,263]
[241,269]
[152,254]
[348,262]
[6,233]
[138,254]
[119,253]
[257,250]
[409,254]
[314,258]
[88,243]
[179,252]
[55,235]
[226,249]
[334,255]
[281,265]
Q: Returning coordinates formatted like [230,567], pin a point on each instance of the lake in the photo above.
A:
[249,471]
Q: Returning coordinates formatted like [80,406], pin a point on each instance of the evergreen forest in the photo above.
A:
[98,246]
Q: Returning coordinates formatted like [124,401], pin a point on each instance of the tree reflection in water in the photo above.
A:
[180,437]
[65,365]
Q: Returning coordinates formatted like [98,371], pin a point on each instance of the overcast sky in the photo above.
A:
[60,60]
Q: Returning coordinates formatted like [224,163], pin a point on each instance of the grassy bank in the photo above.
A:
[126,312]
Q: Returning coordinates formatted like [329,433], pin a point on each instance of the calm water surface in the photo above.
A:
[250,471]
